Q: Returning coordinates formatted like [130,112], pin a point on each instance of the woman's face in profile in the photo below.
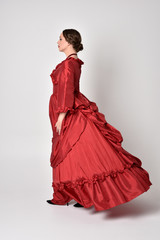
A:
[62,43]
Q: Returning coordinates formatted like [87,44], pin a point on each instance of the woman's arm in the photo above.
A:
[59,121]
[65,92]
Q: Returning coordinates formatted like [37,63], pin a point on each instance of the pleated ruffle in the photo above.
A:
[105,190]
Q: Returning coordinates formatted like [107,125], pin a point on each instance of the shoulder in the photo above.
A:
[72,64]
[68,62]
[69,65]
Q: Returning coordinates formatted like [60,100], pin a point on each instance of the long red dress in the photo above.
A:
[88,162]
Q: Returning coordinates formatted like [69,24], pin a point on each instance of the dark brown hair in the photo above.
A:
[73,37]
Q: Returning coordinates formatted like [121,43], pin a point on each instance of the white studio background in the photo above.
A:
[120,73]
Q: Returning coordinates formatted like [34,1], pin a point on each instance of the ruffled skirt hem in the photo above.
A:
[104,191]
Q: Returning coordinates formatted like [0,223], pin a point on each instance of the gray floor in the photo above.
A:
[25,214]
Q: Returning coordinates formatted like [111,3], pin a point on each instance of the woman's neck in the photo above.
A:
[73,54]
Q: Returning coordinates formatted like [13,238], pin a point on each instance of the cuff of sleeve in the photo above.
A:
[64,109]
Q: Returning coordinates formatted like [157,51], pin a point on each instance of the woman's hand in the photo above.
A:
[58,124]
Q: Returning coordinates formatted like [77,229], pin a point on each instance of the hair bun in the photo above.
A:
[80,47]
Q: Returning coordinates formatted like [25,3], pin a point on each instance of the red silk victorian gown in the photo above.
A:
[88,162]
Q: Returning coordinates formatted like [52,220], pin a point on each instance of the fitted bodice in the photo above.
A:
[61,71]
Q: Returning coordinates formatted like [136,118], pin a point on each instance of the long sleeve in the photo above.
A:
[65,88]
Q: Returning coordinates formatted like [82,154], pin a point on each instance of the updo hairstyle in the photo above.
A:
[73,37]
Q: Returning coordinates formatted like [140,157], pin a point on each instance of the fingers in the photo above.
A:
[58,129]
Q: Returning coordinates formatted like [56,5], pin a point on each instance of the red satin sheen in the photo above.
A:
[89,164]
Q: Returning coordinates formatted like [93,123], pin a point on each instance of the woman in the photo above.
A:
[88,161]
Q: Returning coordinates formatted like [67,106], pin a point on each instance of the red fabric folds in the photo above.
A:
[88,161]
